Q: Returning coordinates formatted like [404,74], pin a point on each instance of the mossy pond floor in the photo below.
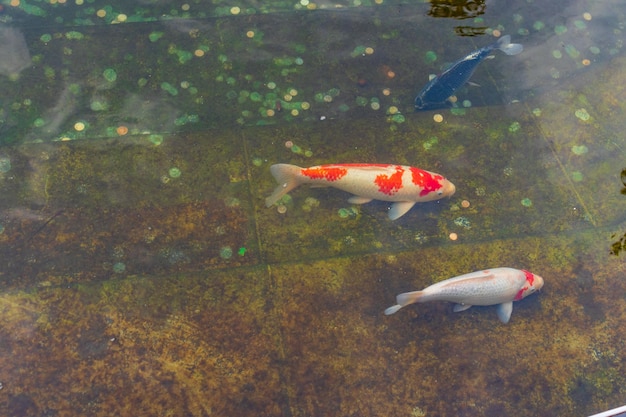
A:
[142,274]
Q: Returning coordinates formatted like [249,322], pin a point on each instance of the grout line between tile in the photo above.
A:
[274,289]
[562,168]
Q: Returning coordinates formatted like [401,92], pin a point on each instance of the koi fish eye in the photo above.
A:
[439,192]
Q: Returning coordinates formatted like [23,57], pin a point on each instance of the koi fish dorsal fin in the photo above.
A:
[505,45]
[369,167]
[286,176]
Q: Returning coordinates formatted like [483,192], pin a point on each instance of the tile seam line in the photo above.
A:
[257,232]
[275,287]
[562,167]
[552,150]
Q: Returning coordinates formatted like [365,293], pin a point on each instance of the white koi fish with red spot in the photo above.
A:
[400,184]
[499,286]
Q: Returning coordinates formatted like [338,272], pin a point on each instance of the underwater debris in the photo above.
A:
[620,244]
[462,222]
[457,9]
[226,252]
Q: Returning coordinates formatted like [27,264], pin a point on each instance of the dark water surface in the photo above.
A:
[142,275]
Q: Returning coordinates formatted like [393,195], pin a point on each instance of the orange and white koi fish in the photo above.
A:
[402,185]
[499,286]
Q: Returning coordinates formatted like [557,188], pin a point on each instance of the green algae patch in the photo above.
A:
[155,36]
[110,75]
[99,105]
[572,51]
[183,56]
[582,114]
[514,127]
[74,35]
[430,57]
[32,10]
[165,86]
[577,176]
[175,172]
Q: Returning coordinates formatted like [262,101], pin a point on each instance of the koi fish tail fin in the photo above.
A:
[504,44]
[287,177]
[403,300]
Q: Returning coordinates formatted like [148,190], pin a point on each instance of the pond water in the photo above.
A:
[143,275]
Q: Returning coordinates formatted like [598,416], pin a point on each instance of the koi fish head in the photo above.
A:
[447,189]
[533,284]
[431,186]
[443,189]
[421,103]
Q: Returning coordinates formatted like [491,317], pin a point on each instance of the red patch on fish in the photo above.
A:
[325,172]
[426,181]
[530,279]
[390,184]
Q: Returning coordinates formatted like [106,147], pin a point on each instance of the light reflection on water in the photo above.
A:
[139,257]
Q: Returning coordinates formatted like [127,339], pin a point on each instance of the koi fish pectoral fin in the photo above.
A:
[392,309]
[504,311]
[399,209]
[355,199]
[461,307]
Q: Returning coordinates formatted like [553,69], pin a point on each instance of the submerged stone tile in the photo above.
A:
[184,344]
[504,174]
[95,210]
[344,356]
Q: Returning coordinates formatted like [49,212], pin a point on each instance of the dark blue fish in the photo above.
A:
[436,93]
